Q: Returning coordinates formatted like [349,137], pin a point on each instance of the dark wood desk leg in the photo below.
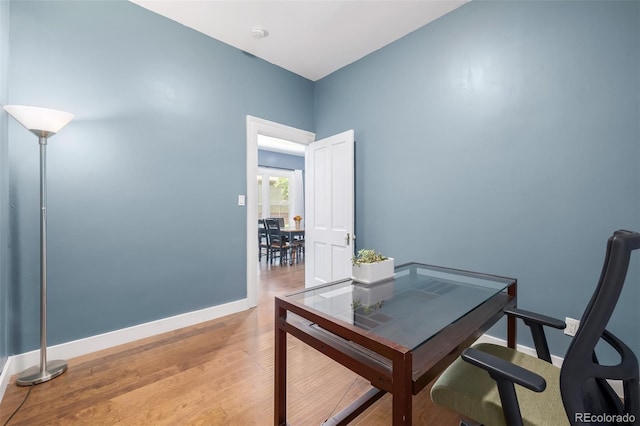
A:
[402,396]
[280,363]
[512,326]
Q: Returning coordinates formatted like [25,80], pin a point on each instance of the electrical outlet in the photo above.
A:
[572,326]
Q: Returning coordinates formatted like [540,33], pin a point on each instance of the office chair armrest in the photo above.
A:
[535,322]
[529,317]
[499,369]
[506,374]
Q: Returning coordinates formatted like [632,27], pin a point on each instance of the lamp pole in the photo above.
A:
[44,123]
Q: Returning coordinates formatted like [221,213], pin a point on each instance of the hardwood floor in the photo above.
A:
[215,373]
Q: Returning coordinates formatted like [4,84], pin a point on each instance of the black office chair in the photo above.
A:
[480,384]
[277,242]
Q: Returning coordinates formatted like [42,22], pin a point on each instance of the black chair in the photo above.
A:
[280,221]
[297,245]
[576,394]
[263,240]
[277,244]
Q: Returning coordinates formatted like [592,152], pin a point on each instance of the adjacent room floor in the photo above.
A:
[215,373]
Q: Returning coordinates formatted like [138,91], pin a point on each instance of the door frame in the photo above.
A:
[256,126]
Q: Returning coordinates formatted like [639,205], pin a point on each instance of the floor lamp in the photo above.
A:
[44,123]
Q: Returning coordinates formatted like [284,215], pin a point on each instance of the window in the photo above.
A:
[274,199]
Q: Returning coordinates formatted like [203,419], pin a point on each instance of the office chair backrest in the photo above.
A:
[583,384]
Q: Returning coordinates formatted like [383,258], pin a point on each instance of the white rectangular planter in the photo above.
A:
[367,273]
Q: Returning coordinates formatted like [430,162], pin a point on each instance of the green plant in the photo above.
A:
[282,184]
[366,309]
[367,256]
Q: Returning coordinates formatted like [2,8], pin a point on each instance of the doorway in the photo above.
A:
[257,126]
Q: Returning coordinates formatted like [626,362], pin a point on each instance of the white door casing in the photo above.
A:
[260,126]
[329,206]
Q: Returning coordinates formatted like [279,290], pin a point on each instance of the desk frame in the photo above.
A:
[392,367]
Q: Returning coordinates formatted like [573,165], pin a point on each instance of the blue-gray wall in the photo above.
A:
[143,217]
[280,160]
[4,180]
[504,138]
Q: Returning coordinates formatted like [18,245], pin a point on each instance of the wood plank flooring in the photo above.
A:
[215,373]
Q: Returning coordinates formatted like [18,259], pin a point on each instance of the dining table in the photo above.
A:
[292,234]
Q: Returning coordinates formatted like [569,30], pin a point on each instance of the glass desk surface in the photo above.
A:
[408,309]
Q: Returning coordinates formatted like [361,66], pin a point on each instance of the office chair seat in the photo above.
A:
[470,391]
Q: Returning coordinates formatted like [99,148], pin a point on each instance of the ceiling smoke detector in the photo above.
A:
[258,32]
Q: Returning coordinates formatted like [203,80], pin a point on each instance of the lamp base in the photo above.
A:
[35,375]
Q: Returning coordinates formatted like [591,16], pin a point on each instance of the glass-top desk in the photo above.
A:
[399,334]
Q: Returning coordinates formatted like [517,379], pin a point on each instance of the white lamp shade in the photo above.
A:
[39,119]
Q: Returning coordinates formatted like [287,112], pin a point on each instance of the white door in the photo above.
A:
[329,206]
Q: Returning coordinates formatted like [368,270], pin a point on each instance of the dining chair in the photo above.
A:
[297,245]
[277,243]
[263,240]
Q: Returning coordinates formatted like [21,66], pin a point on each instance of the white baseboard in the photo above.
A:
[76,348]
[5,376]
[555,360]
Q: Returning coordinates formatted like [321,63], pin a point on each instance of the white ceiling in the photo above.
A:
[312,38]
